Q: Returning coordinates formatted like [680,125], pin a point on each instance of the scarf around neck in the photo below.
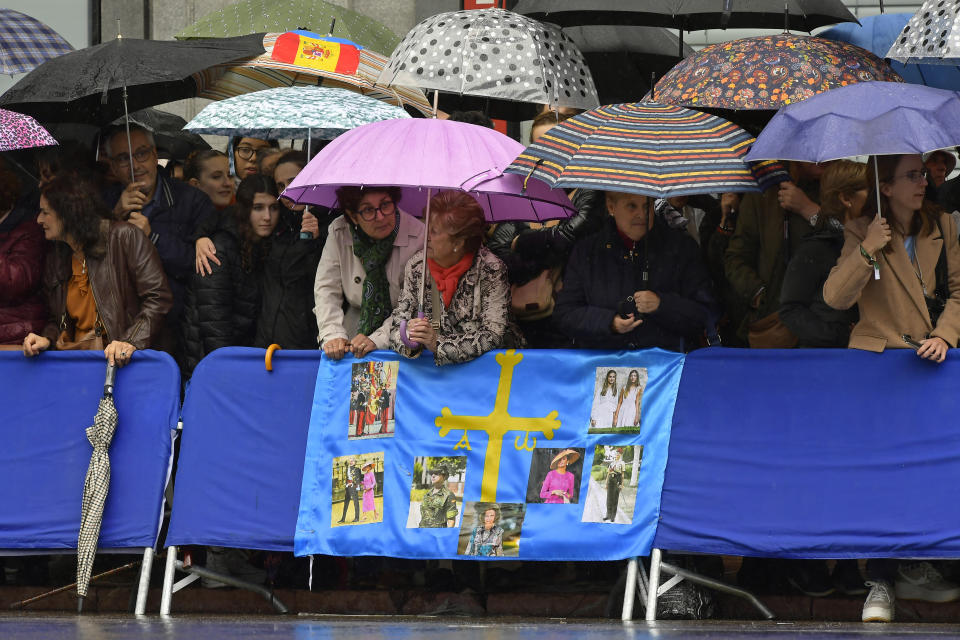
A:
[376,305]
[447,278]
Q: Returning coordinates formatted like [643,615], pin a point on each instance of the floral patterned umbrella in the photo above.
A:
[19,131]
[292,112]
[767,72]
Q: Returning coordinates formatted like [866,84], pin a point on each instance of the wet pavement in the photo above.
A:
[93,627]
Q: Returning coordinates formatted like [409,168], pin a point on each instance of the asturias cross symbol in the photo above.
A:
[497,423]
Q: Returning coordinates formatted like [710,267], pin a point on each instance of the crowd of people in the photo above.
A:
[121,255]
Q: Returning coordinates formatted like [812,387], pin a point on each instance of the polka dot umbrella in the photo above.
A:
[502,56]
[931,36]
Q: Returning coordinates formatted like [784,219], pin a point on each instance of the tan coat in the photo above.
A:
[894,304]
[340,277]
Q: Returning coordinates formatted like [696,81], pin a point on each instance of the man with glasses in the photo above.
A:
[166,210]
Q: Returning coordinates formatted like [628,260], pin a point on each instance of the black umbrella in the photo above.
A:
[623,59]
[691,15]
[167,129]
[100,83]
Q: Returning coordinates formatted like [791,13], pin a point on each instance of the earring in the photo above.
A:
[455,249]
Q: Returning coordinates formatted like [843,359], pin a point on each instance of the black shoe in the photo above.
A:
[847,578]
[810,577]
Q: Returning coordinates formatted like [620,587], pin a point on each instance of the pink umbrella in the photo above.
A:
[422,157]
[19,131]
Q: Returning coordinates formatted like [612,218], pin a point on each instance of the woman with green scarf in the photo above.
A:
[361,270]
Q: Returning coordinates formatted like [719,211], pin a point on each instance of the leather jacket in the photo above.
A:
[128,284]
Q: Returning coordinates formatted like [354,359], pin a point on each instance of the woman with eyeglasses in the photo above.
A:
[467,295]
[247,153]
[361,270]
[222,309]
[902,267]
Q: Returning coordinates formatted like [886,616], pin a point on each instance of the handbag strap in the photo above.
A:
[941,291]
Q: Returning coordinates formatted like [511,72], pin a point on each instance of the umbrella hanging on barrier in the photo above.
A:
[95,485]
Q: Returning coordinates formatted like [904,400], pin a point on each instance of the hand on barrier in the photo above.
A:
[34,344]
[933,349]
[361,345]
[336,348]
[119,353]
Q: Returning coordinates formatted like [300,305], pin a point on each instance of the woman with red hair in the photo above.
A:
[467,304]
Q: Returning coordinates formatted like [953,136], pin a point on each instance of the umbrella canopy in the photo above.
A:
[26,42]
[691,15]
[932,36]
[869,118]
[494,54]
[266,72]
[623,58]
[767,72]
[96,484]
[88,85]
[258,16]
[877,34]
[293,112]
[420,154]
[647,148]
[19,131]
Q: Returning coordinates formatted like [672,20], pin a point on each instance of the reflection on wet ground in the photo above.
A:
[94,627]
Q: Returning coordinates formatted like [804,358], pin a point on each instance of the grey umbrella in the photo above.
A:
[95,485]
[495,54]
[931,36]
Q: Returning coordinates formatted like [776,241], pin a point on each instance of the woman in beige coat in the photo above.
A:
[889,265]
[362,264]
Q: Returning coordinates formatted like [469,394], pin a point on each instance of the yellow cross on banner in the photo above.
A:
[497,424]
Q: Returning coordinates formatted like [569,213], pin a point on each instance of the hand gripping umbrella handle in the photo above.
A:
[412,344]
[111,378]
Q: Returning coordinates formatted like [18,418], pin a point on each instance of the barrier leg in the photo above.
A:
[143,587]
[169,570]
[656,558]
[680,574]
[629,590]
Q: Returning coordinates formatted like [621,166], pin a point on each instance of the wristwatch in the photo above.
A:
[813,219]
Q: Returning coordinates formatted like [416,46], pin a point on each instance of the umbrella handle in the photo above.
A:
[412,344]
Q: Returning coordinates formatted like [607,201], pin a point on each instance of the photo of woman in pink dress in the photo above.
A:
[369,489]
[557,487]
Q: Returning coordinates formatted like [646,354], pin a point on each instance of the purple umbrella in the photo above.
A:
[19,131]
[422,157]
[866,118]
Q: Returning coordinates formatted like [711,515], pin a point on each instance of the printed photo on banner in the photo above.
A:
[436,496]
[555,476]
[357,496]
[373,397]
[612,490]
[491,529]
[617,398]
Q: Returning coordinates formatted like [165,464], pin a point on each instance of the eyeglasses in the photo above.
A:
[916,176]
[247,153]
[386,208]
[140,155]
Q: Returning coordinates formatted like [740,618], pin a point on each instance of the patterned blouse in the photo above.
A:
[485,542]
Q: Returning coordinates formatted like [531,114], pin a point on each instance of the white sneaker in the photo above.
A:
[922,581]
[878,607]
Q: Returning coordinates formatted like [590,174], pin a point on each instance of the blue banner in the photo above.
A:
[541,455]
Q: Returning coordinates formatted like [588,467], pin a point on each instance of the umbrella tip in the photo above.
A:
[79,604]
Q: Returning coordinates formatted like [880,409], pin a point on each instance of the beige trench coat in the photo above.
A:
[340,277]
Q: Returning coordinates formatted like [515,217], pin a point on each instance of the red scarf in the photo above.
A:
[447,278]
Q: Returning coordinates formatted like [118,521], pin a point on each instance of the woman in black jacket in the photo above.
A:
[843,190]
[221,309]
[636,284]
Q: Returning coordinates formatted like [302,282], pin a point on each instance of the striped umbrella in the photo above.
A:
[264,72]
[647,148]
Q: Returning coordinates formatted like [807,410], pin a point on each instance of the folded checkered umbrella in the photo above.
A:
[26,42]
[19,131]
[96,484]
[647,148]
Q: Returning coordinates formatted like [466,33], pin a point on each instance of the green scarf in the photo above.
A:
[373,254]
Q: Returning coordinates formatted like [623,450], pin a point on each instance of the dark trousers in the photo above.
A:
[613,494]
[350,494]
